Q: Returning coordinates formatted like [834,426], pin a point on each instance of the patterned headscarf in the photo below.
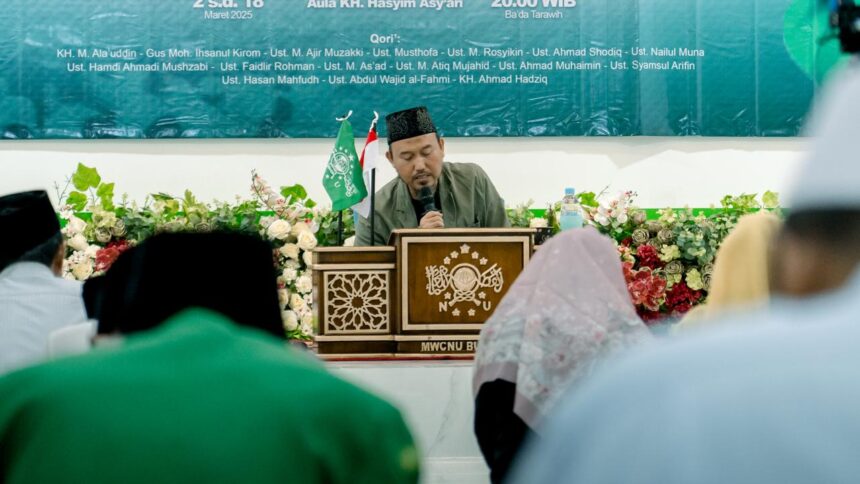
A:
[569,309]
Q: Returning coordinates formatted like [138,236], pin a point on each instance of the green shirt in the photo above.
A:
[468,197]
[197,400]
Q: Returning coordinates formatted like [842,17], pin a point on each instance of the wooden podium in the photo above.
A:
[428,294]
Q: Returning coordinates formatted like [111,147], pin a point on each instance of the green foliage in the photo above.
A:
[521,216]
[105,194]
[77,200]
[770,200]
[327,234]
[588,199]
[85,178]
[294,193]
[297,194]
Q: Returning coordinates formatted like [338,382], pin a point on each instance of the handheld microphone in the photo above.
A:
[425,196]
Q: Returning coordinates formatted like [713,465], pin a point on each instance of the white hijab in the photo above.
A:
[568,309]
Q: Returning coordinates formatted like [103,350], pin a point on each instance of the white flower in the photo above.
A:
[283,296]
[92,251]
[279,230]
[308,320]
[290,251]
[308,257]
[291,264]
[300,227]
[266,221]
[291,320]
[304,284]
[307,329]
[537,223]
[78,242]
[622,218]
[76,225]
[296,302]
[290,275]
[83,270]
[307,240]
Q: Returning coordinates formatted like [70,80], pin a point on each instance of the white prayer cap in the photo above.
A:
[829,177]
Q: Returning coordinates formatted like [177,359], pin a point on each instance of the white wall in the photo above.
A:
[664,171]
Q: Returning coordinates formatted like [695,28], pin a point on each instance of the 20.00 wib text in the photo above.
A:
[533,3]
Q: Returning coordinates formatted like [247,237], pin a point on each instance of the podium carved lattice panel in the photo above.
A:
[357,302]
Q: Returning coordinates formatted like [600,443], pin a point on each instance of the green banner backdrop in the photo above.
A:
[276,68]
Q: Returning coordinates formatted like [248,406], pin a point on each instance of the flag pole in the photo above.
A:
[340,228]
[340,212]
[373,192]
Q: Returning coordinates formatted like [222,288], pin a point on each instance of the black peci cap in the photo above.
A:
[409,123]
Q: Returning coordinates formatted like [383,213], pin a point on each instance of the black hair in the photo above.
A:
[228,273]
[44,253]
[836,227]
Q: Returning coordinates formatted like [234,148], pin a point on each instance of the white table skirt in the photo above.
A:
[436,401]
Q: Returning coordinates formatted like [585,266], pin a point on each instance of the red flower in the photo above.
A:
[647,289]
[107,256]
[681,298]
[627,241]
[648,256]
[627,269]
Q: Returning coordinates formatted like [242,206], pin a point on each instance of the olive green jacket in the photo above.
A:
[468,198]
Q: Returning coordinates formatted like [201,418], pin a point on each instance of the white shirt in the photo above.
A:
[33,303]
[772,403]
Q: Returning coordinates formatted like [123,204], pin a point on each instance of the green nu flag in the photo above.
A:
[343,179]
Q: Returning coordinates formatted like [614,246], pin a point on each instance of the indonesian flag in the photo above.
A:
[368,158]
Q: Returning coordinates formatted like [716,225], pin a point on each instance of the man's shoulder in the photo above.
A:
[25,276]
[465,170]
[388,191]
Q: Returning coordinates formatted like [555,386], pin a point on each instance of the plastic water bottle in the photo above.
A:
[570,216]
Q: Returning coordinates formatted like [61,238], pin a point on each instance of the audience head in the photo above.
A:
[228,273]
[741,268]
[415,149]
[92,294]
[31,231]
[819,247]
[568,309]
[112,291]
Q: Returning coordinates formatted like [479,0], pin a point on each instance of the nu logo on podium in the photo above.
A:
[468,281]
[451,280]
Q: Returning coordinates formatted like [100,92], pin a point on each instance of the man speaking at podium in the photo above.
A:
[428,193]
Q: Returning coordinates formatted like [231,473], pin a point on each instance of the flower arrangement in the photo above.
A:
[667,260]
[97,231]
